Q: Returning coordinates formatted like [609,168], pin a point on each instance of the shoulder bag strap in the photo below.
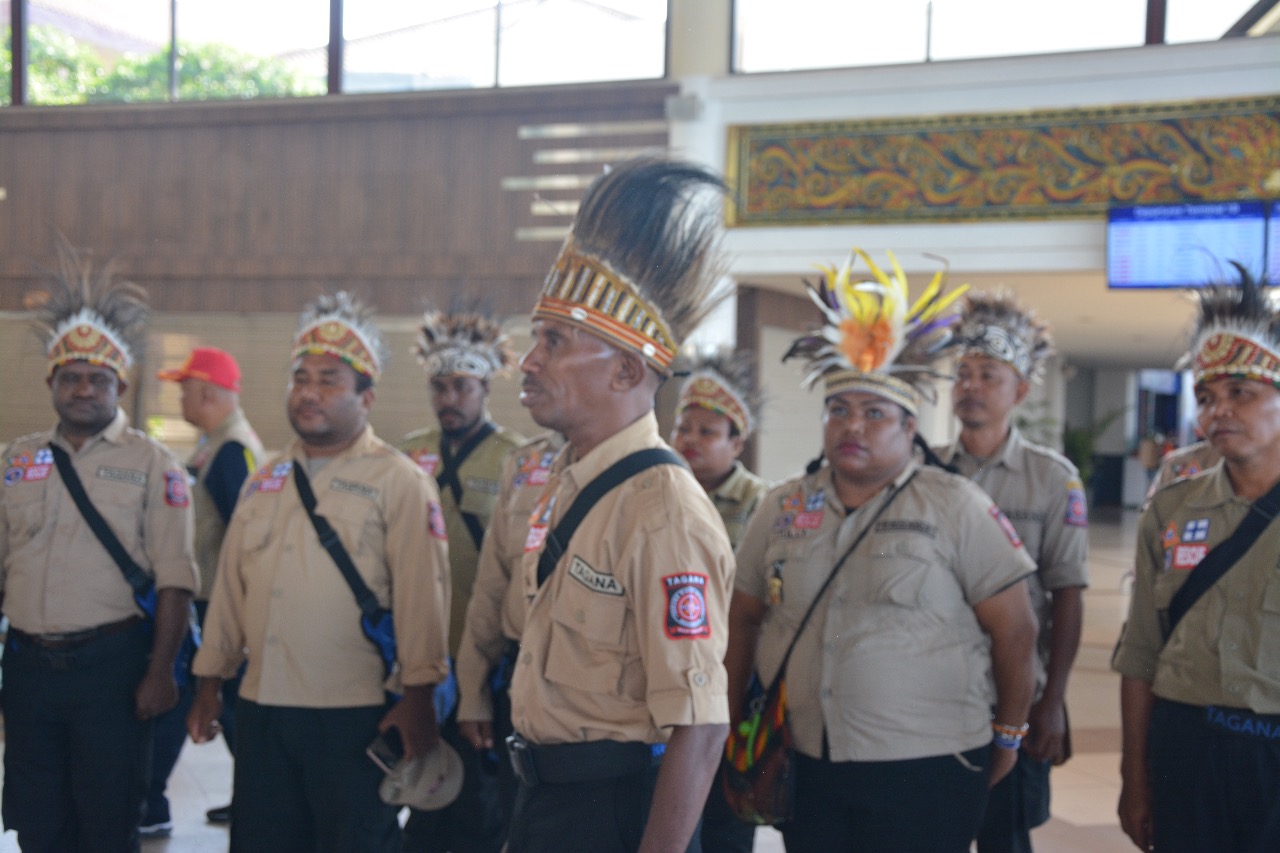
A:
[368,602]
[813,605]
[132,572]
[448,476]
[625,468]
[1219,561]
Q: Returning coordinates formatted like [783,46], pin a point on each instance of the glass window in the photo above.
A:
[799,34]
[393,46]
[1199,20]
[574,41]
[251,48]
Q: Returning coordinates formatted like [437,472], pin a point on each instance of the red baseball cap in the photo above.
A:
[211,365]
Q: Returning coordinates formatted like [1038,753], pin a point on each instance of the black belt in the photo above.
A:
[1242,721]
[74,639]
[574,763]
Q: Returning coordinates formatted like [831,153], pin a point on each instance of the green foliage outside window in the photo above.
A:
[61,70]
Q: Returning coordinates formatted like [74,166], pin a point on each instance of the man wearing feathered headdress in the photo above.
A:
[715,415]
[85,671]
[925,625]
[1002,350]
[461,352]
[332,539]
[618,697]
[1200,652]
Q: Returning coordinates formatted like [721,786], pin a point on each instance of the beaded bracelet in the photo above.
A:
[1009,737]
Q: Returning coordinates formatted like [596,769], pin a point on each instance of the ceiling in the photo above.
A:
[1092,326]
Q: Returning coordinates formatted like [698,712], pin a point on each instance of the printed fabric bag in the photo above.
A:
[758,772]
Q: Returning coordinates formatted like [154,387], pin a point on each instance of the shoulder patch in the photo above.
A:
[1077,514]
[686,616]
[435,521]
[175,489]
[1006,525]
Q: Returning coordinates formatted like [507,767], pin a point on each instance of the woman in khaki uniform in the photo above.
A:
[925,627]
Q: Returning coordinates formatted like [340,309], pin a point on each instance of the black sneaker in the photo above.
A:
[163,829]
[220,814]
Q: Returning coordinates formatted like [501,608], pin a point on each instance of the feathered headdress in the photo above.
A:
[469,344]
[720,381]
[1237,333]
[996,325]
[88,317]
[872,340]
[640,266]
[339,325]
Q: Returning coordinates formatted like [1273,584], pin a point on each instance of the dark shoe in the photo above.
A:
[163,829]
[221,814]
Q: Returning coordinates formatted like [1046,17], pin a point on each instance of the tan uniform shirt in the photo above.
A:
[1226,649]
[627,636]
[893,664]
[210,528]
[1184,462]
[479,475]
[736,498]
[55,575]
[495,614]
[1040,491]
[280,598]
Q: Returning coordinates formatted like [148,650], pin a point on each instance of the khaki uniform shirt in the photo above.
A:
[1226,649]
[627,636]
[55,575]
[280,599]
[1040,491]
[495,614]
[210,527]
[1184,462]
[893,664]
[736,498]
[479,475]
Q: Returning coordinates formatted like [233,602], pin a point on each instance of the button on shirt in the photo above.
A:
[627,636]
[893,664]
[495,613]
[1226,649]
[54,573]
[1040,492]
[280,596]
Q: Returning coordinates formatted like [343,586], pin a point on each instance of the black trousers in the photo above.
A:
[1019,803]
[303,783]
[76,756]
[722,832]
[606,816]
[473,823]
[925,804]
[1214,790]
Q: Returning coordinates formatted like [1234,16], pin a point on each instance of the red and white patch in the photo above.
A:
[1077,507]
[686,606]
[175,489]
[426,460]
[435,521]
[1006,525]
[1188,556]
[808,520]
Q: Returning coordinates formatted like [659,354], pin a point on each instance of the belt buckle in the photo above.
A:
[521,752]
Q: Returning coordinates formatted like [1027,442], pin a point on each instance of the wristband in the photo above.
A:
[1004,741]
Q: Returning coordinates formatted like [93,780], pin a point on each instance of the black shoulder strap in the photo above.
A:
[813,605]
[1224,555]
[368,602]
[625,468]
[132,572]
[448,476]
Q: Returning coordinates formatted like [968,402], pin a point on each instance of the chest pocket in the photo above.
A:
[588,638]
[898,576]
[478,499]
[25,513]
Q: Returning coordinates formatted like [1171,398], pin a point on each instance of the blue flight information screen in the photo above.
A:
[1189,245]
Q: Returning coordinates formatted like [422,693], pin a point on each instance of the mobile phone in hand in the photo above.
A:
[386,750]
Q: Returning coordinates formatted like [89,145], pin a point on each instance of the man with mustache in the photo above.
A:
[618,696]
[315,689]
[85,673]
[1003,350]
[1200,652]
[460,353]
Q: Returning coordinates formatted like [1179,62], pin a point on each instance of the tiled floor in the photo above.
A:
[1084,790]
